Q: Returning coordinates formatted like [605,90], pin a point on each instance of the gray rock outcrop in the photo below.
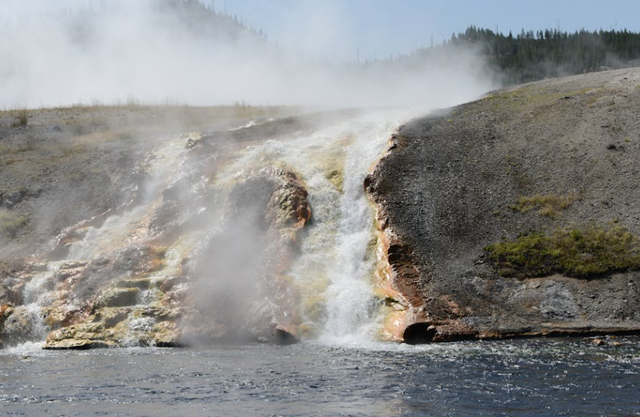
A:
[542,159]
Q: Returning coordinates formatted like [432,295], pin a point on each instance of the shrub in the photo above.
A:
[21,120]
[583,253]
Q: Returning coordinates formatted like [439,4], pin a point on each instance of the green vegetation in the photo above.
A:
[531,56]
[547,204]
[576,252]
[22,119]
[10,223]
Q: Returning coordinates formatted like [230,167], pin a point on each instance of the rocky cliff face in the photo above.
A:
[141,296]
[496,216]
[181,239]
[155,253]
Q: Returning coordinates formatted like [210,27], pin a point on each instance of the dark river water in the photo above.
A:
[549,377]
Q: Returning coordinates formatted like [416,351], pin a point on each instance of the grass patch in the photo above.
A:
[21,119]
[11,222]
[547,204]
[576,252]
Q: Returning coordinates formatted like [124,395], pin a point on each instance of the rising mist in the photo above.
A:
[230,224]
[178,52]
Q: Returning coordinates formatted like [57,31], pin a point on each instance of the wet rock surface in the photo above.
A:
[263,216]
[173,260]
[228,289]
[452,184]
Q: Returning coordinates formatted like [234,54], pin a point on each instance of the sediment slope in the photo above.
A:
[555,159]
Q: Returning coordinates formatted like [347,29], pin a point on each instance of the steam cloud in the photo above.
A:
[157,51]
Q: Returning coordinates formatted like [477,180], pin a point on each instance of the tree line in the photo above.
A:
[530,56]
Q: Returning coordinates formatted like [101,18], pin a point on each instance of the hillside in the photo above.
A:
[513,215]
[517,214]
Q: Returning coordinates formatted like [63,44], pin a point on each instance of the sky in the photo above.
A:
[381,28]
[345,30]
[138,50]
[64,52]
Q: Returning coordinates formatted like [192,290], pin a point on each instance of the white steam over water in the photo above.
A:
[145,51]
[180,52]
[333,271]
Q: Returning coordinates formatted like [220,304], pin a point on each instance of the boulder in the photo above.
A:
[170,282]
[167,334]
[140,283]
[237,281]
[111,316]
[117,297]
[285,335]
[65,310]
[76,344]
[5,312]
[17,325]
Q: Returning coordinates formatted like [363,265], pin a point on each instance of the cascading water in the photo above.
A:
[350,305]
[35,297]
[333,271]
[324,291]
[350,309]
[165,166]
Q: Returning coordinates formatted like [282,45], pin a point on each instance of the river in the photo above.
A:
[535,377]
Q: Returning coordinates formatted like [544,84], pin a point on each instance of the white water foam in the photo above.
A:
[24,350]
[36,296]
[332,271]
[352,311]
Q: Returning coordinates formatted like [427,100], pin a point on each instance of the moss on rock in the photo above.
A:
[577,252]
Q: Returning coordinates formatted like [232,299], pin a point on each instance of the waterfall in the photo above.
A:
[35,296]
[334,271]
[349,300]
[132,276]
